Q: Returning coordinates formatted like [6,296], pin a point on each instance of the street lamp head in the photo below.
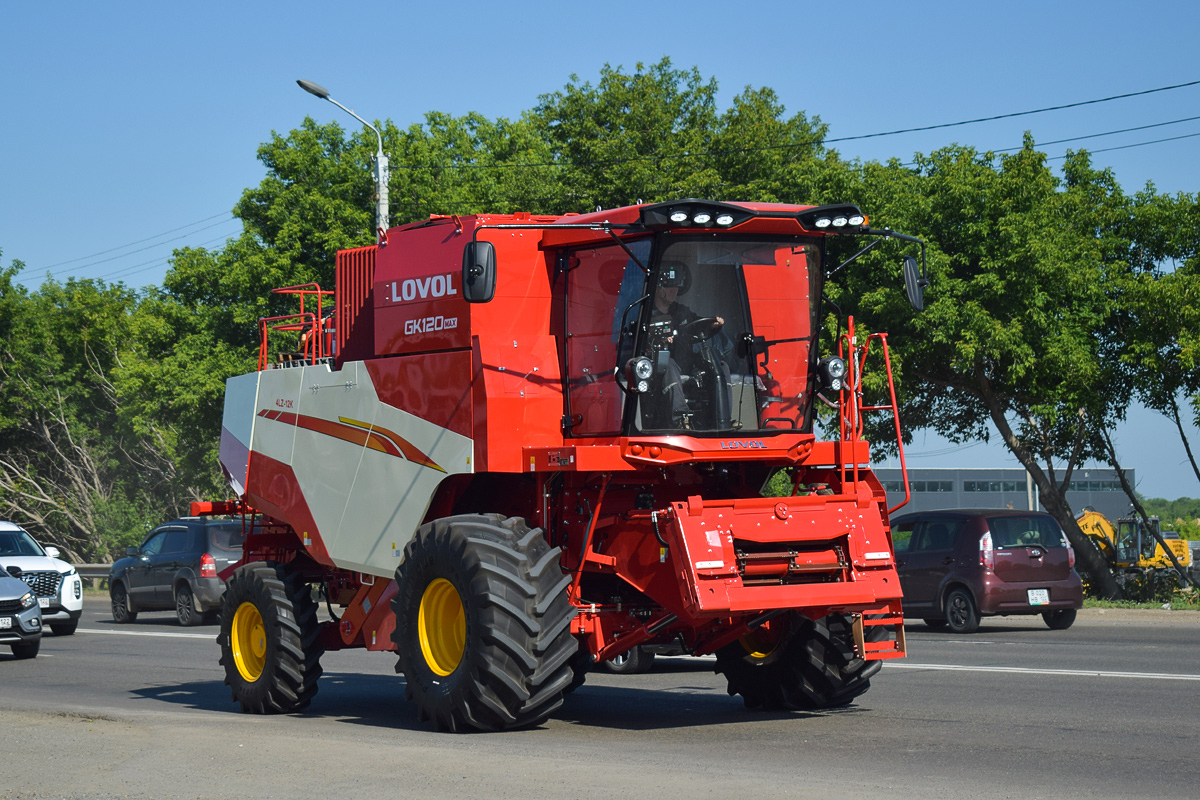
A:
[314,88]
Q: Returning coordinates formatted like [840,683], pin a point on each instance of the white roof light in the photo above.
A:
[857,219]
[725,219]
[679,216]
[839,222]
[823,222]
[702,218]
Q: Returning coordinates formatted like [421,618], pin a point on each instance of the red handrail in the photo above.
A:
[851,403]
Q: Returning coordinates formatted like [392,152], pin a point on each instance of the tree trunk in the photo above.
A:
[1053,495]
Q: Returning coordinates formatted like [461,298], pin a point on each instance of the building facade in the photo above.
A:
[934,488]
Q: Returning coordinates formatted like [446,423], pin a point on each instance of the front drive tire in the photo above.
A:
[1059,620]
[961,614]
[483,624]
[269,639]
[798,664]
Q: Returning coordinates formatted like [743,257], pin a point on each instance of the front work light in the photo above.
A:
[832,372]
[637,372]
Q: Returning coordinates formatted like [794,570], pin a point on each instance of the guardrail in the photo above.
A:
[93,572]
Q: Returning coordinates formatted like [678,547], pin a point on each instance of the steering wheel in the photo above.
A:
[700,329]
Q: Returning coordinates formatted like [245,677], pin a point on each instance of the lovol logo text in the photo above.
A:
[744,444]
[423,288]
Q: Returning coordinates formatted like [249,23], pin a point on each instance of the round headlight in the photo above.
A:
[643,387]
[725,219]
[836,367]
[702,218]
[835,384]
[679,216]
[643,369]
[823,222]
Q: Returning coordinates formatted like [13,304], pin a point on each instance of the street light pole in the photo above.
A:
[381,160]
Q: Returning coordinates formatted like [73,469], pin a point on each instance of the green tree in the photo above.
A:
[1019,290]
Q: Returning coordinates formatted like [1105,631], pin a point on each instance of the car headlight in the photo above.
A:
[28,601]
[69,572]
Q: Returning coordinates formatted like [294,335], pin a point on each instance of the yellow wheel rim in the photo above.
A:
[760,643]
[442,627]
[248,638]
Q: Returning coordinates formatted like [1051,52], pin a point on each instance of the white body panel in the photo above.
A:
[367,498]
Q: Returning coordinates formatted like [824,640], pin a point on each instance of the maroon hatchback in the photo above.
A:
[959,565]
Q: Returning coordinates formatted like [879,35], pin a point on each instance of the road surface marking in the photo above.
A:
[1156,676]
[208,636]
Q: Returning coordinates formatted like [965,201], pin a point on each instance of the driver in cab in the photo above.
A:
[670,324]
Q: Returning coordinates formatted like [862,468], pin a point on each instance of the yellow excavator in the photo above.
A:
[1134,547]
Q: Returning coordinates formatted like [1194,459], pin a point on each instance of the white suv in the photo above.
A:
[55,582]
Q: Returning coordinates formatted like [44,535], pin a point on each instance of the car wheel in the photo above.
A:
[121,611]
[27,650]
[64,628]
[1059,620]
[630,662]
[935,624]
[961,614]
[185,607]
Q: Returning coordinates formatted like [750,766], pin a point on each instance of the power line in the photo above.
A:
[1016,113]
[139,241]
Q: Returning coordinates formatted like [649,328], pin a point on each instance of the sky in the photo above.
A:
[131,128]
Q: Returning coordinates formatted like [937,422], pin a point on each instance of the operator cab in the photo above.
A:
[714,336]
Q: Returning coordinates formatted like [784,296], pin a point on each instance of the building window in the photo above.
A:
[933,486]
[991,486]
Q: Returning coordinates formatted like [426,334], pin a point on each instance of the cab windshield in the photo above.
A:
[716,338]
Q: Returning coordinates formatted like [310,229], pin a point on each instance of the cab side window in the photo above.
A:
[902,536]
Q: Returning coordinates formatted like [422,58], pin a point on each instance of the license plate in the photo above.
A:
[5,622]
[1039,597]
[44,602]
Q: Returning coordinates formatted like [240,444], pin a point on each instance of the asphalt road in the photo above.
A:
[1105,709]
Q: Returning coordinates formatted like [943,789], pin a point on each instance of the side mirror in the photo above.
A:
[479,272]
[51,551]
[131,551]
[914,283]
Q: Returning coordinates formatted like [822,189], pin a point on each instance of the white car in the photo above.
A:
[55,582]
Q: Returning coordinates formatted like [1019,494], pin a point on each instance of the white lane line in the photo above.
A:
[208,636]
[1087,673]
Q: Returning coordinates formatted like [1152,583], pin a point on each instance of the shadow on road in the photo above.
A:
[378,701]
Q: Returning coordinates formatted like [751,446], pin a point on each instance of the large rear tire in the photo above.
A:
[483,624]
[797,665]
[270,639]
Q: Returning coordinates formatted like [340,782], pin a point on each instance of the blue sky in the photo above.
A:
[131,128]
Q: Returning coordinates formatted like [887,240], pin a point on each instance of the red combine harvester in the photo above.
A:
[521,445]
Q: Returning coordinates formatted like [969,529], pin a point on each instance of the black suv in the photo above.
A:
[176,567]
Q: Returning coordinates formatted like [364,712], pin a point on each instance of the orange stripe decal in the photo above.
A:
[355,432]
